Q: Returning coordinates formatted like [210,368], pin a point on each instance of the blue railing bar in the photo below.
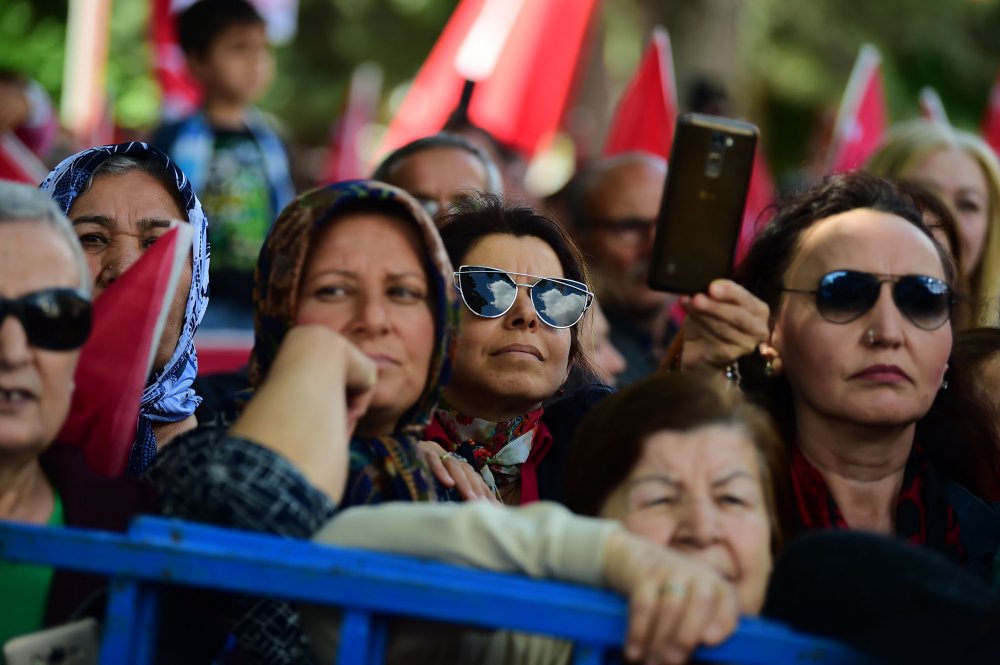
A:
[147,621]
[169,551]
[130,623]
[328,575]
[355,646]
[379,639]
[588,654]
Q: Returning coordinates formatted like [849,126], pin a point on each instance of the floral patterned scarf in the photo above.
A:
[923,515]
[502,452]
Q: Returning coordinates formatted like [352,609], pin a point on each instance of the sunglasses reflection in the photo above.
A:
[491,292]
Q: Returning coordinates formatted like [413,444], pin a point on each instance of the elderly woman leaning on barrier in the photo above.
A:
[694,468]
[267,472]
[693,471]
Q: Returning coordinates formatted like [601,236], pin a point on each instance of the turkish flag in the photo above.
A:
[345,153]
[114,365]
[931,106]
[760,196]
[180,92]
[863,118]
[18,163]
[522,56]
[647,111]
[991,120]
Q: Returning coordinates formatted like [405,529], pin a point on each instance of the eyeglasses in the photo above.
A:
[844,295]
[490,293]
[430,206]
[53,319]
[626,229]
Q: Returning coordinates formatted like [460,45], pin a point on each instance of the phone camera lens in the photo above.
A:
[713,165]
[718,140]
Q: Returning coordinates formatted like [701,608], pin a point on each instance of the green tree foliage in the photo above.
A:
[795,59]
[800,54]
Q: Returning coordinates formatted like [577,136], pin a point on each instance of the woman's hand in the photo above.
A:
[675,602]
[451,470]
[721,325]
[309,403]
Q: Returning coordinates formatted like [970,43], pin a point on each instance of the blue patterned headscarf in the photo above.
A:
[169,397]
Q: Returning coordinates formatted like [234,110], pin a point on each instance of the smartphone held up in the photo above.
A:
[703,202]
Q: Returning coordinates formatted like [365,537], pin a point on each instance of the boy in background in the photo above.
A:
[235,161]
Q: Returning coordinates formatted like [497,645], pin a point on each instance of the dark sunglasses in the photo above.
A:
[53,319]
[844,295]
[490,293]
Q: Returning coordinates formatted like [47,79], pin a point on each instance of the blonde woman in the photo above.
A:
[964,172]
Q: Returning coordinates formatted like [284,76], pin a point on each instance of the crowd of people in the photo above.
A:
[445,370]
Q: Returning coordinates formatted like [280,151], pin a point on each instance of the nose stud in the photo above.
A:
[870,337]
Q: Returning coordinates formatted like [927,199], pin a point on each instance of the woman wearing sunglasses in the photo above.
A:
[523,283]
[45,318]
[860,295]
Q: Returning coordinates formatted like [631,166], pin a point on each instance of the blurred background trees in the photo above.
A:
[782,63]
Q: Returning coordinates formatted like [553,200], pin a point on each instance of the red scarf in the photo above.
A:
[923,515]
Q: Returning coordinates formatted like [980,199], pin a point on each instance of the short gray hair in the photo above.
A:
[494,181]
[20,202]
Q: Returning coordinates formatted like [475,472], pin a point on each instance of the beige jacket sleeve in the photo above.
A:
[540,540]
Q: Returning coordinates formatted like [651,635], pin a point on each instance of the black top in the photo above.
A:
[561,417]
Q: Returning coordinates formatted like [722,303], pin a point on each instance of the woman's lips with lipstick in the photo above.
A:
[883,374]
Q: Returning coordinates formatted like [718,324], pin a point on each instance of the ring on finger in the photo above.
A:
[671,589]
[445,456]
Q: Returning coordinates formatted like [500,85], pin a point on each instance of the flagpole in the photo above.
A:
[87,34]
[868,59]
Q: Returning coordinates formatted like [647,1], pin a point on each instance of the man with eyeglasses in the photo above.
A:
[614,206]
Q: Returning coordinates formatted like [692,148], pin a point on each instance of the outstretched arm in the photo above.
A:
[546,540]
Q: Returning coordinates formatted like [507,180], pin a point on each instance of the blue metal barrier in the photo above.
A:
[370,587]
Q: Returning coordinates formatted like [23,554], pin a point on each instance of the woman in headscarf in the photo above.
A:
[364,259]
[362,262]
[120,199]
